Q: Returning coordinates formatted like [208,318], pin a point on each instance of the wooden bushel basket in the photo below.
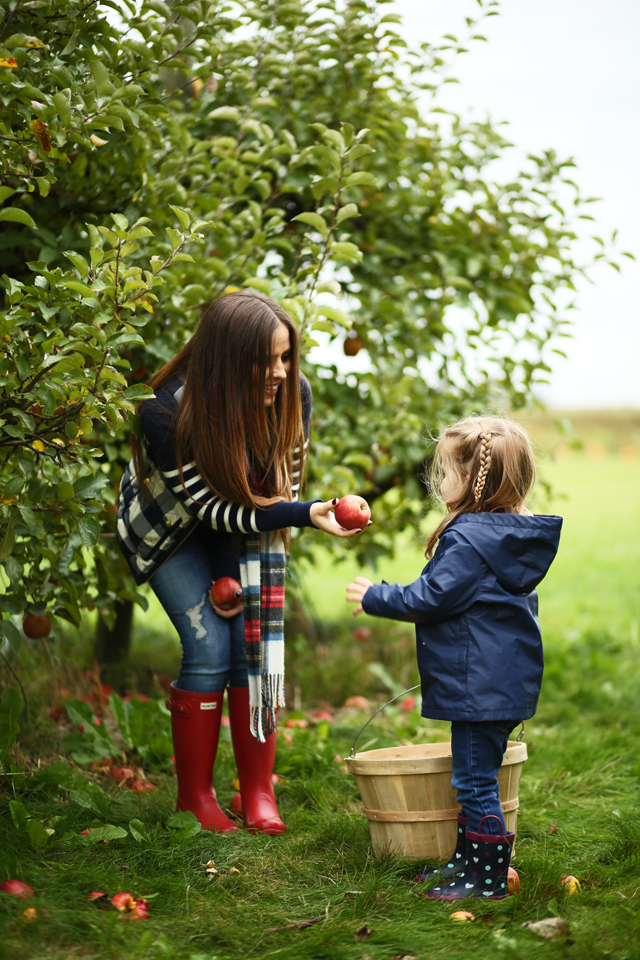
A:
[409,802]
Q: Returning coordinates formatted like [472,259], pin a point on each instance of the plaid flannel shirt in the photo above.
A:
[149,531]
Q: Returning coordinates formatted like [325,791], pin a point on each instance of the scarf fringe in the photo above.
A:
[263,609]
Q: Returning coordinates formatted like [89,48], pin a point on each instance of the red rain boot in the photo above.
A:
[195,727]
[255,765]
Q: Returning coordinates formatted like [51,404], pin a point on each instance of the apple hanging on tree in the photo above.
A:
[36,627]
[352,512]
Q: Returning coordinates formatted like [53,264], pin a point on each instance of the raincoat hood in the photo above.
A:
[517,549]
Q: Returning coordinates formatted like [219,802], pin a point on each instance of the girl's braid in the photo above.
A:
[485,464]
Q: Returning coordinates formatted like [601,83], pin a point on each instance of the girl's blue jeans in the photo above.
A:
[478,749]
[213,651]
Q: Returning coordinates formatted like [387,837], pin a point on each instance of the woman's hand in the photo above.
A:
[322,517]
[356,592]
[227,614]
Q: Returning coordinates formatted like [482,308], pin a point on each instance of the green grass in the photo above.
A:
[581,776]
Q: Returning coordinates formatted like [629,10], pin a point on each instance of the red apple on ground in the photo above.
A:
[357,703]
[362,634]
[513,881]
[225,593]
[296,722]
[352,512]
[323,715]
[16,888]
[36,627]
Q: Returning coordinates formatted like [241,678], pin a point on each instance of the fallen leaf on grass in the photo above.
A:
[553,828]
[302,924]
[30,915]
[101,901]
[551,928]
[363,933]
[211,868]
[233,870]
[131,908]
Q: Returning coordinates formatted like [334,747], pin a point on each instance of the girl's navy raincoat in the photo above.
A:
[476,613]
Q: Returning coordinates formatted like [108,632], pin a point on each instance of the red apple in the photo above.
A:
[225,593]
[513,882]
[352,513]
[353,346]
[36,627]
[362,634]
[323,715]
[357,702]
[296,722]
[16,888]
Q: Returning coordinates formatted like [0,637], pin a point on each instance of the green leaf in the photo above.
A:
[349,210]
[175,237]
[6,192]
[63,107]
[345,251]
[8,542]
[362,178]
[335,314]
[89,531]
[139,831]
[100,74]
[88,487]
[79,262]
[224,113]
[107,833]
[16,215]
[30,519]
[19,815]
[316,221]
[39,836]
[183,218]
[122,713]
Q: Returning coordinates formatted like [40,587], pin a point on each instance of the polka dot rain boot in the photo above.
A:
[456,862]
[486,874]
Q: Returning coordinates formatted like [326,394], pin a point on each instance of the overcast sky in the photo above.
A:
[565,74]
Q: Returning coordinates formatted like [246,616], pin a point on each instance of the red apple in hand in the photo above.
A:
[352,513]
[36,627]
[225,593]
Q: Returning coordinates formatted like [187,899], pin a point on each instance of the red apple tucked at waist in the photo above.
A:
[225,593]
[352,513]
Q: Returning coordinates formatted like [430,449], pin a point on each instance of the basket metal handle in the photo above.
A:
[362,729]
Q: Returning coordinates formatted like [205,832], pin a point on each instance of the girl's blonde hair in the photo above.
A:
[492,458]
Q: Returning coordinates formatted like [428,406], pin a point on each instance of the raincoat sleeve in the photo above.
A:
[448,586]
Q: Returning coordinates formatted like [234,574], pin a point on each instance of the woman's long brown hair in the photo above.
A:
[222,423]
[492,459]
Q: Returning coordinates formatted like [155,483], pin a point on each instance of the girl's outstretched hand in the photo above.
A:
[356,592]
[322,517]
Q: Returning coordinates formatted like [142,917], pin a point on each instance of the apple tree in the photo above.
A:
[157,153]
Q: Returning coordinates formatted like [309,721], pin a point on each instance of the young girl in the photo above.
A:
[478,638]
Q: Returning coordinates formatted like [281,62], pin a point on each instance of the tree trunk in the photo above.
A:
[112,646]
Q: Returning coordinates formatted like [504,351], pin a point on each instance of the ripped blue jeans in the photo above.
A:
[213,651]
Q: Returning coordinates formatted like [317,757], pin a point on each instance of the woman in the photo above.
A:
[211,492]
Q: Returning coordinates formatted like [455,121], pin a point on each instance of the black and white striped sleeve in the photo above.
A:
[220,514]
